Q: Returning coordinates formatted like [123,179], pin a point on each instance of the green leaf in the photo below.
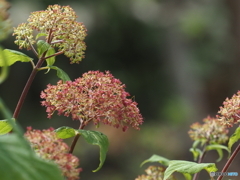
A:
[51,60]
[40,35]
[196,143]
[12,56]
[234,138]
[196,152]
[218,148]
[61,74]
[4,71]
[187,176]
[65,132]
[99,139]
[187,167]
[92,137]
[18,161]
[156,158]
[42,46]
[5,126]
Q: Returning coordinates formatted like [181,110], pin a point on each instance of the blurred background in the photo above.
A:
[179,59]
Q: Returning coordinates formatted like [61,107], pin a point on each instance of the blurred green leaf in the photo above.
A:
[156,158]
[40,35]
[234,138]
[218,148]
[18,161]
[5,126]
[4,70]
[196,152]
[65,132]
[187,167]
[12,56]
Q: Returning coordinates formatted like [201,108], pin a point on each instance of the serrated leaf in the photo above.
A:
[99,139]
[12,56]
[61,74]
[187,167]
[42,46]
[156,158]
[65,132]
[234,138]
[18,161]
[218,148]
[5,126]
[40,35]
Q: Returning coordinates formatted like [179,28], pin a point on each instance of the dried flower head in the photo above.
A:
[230,111]
[97,97]
[59,26]
[154,173]
[211,131]
[48,146]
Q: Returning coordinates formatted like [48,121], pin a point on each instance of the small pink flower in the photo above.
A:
[97,97]
[48,146]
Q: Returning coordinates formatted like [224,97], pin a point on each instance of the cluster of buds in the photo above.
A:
[230,111]
[48,146]
[59,26]
[97,97]
[154,173]
[211,131]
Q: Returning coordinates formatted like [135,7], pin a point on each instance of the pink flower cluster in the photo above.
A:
[48,146]
[97,97]
[230,111]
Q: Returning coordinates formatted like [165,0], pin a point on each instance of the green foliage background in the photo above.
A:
[179,59]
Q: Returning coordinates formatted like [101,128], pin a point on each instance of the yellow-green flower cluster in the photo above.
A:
[211,131]
[48,146]
[59,26]
[154,173]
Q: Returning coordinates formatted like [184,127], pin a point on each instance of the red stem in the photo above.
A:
[234,154]
[27,87]
[31,77]
[74,142]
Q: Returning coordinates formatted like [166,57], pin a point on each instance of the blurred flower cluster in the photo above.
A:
[48,146]
[5,25]
[154,173]
[59,26]
[97,97]
[211,131]
[230,111]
